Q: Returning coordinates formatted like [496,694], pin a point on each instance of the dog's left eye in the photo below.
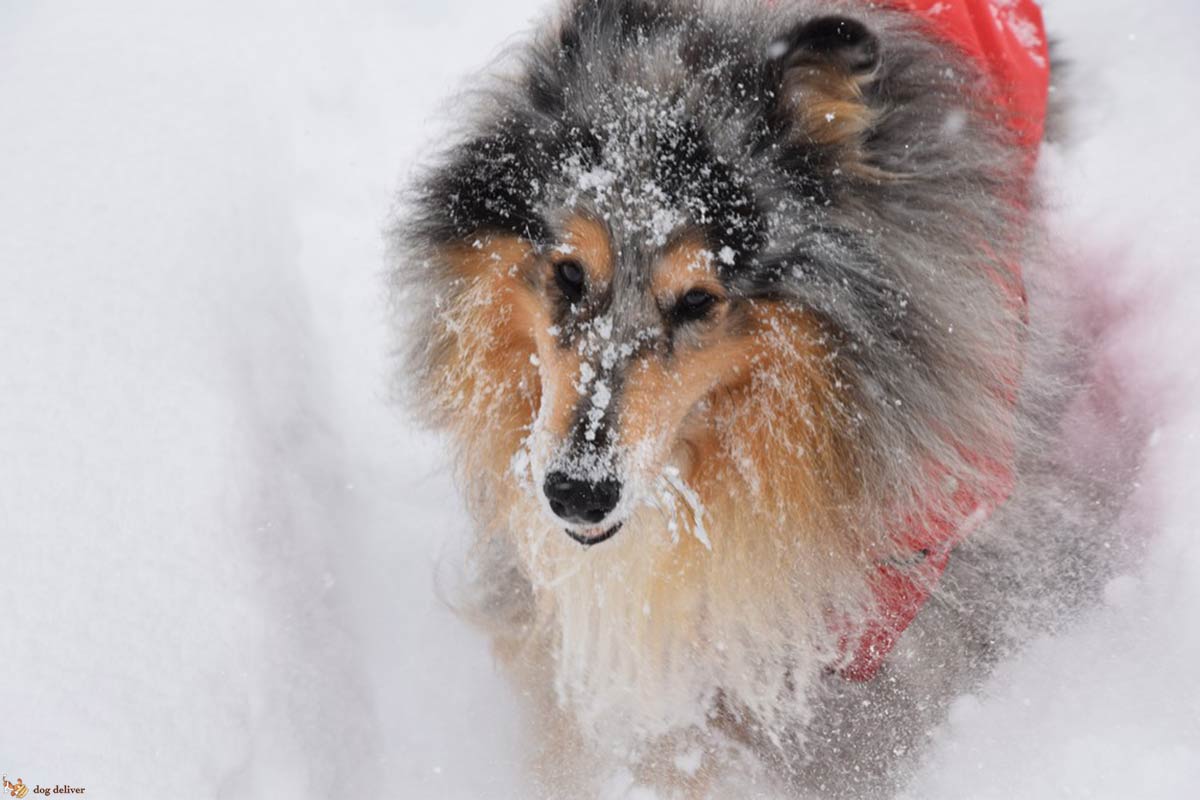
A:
[569,276]
[693,305]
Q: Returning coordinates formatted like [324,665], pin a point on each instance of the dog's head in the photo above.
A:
[666,241]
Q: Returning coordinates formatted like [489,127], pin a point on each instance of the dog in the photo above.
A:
[721,309]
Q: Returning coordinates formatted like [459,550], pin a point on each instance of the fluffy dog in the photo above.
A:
[721,307]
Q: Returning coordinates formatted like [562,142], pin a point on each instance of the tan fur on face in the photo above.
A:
[769,390]
[686,264]
[486,384]
[659,391]
[780,428]
[756,419]
[591,246]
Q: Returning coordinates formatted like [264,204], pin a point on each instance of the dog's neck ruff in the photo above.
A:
[1008,41]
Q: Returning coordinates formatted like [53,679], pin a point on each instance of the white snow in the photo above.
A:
[220,544]
[672,478]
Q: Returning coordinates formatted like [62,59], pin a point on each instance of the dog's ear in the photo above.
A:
[832,41]
[824,68]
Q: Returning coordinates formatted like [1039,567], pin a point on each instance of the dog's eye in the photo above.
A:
[569,276]
[693,305]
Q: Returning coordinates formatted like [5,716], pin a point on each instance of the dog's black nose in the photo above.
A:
[580,500]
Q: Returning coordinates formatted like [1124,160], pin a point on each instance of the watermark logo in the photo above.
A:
[18,789]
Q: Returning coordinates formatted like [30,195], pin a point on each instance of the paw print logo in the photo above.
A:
[18,789]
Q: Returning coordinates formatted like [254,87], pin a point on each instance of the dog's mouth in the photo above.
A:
[594,536]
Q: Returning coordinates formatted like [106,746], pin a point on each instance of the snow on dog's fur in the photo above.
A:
[724,292]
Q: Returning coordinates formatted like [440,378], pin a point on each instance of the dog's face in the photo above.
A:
[618,244]
[620,372]
[634,340]
[662,252]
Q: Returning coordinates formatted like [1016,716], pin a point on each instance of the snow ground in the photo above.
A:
[219,542]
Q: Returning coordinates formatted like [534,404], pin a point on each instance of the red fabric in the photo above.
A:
[1007,39]
[901,589]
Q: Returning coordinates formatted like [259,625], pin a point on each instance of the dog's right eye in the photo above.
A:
[693,306]
[569,277]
